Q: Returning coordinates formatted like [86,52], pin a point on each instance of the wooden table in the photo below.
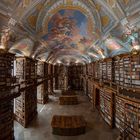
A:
[68,125]
[68,100]
[68,92]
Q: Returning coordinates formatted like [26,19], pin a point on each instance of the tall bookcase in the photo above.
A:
[42,89]
[96,68]
[90,89]
[26,104]
[118,101]
[107,105]
[50,79]
[127,71]
[74,73]
[135,71]
[6,96]
[127,117]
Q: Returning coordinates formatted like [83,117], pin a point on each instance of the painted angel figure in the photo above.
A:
[132,38]
[5,38]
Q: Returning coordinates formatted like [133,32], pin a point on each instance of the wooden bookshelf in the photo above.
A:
[6,96]
[42,93]
[6,121]
[40,69]
[135,71]
[68,100]
[42,89]
[26,104]
[89,69]
[107,106]
[90,89]
[96,71]
[127,71]
[74,76]
[128,115]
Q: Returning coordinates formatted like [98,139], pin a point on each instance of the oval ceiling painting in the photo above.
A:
[68,29]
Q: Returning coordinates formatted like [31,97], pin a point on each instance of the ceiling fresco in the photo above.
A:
[66,31]
[69,29]
[23,47]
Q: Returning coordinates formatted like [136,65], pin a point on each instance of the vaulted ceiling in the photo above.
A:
[70,31]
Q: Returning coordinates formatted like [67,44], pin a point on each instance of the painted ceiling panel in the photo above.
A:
[130,6]
[68,29]
[24,46]
[73,30]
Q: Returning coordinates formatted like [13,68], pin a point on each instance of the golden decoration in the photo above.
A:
[32,21]
[126,1]
[111,2]
[39,7]
[98,7]
[69,2]
[105,20]
[26,2]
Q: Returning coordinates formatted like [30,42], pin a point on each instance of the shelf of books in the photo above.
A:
[107,106]
[100,74]
[85,70]
[118,64]
[127,71]
[26,103]
[90,69]
[6,96]
[96,71]
[40,69]
[127,116]
[105,71]
[74,77]
[90,89]
[42,94]
[109,70]
[135,72]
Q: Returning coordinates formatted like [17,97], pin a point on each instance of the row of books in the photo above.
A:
[127,117]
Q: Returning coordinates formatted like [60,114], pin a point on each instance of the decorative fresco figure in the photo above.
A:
[5,37]
[69,29]
[131,37]
[115,46]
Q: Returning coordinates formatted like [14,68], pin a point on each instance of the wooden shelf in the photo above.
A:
[42,89]
[107,106]
[26,103]
[7,94]
[128,116]
[68,100]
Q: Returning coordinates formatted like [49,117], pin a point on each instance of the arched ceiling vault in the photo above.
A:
[71,30]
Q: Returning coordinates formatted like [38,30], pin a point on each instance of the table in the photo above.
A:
[68,125]
[68,100]
[68,92]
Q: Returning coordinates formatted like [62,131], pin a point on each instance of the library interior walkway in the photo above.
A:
[40,128]
[69,69]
